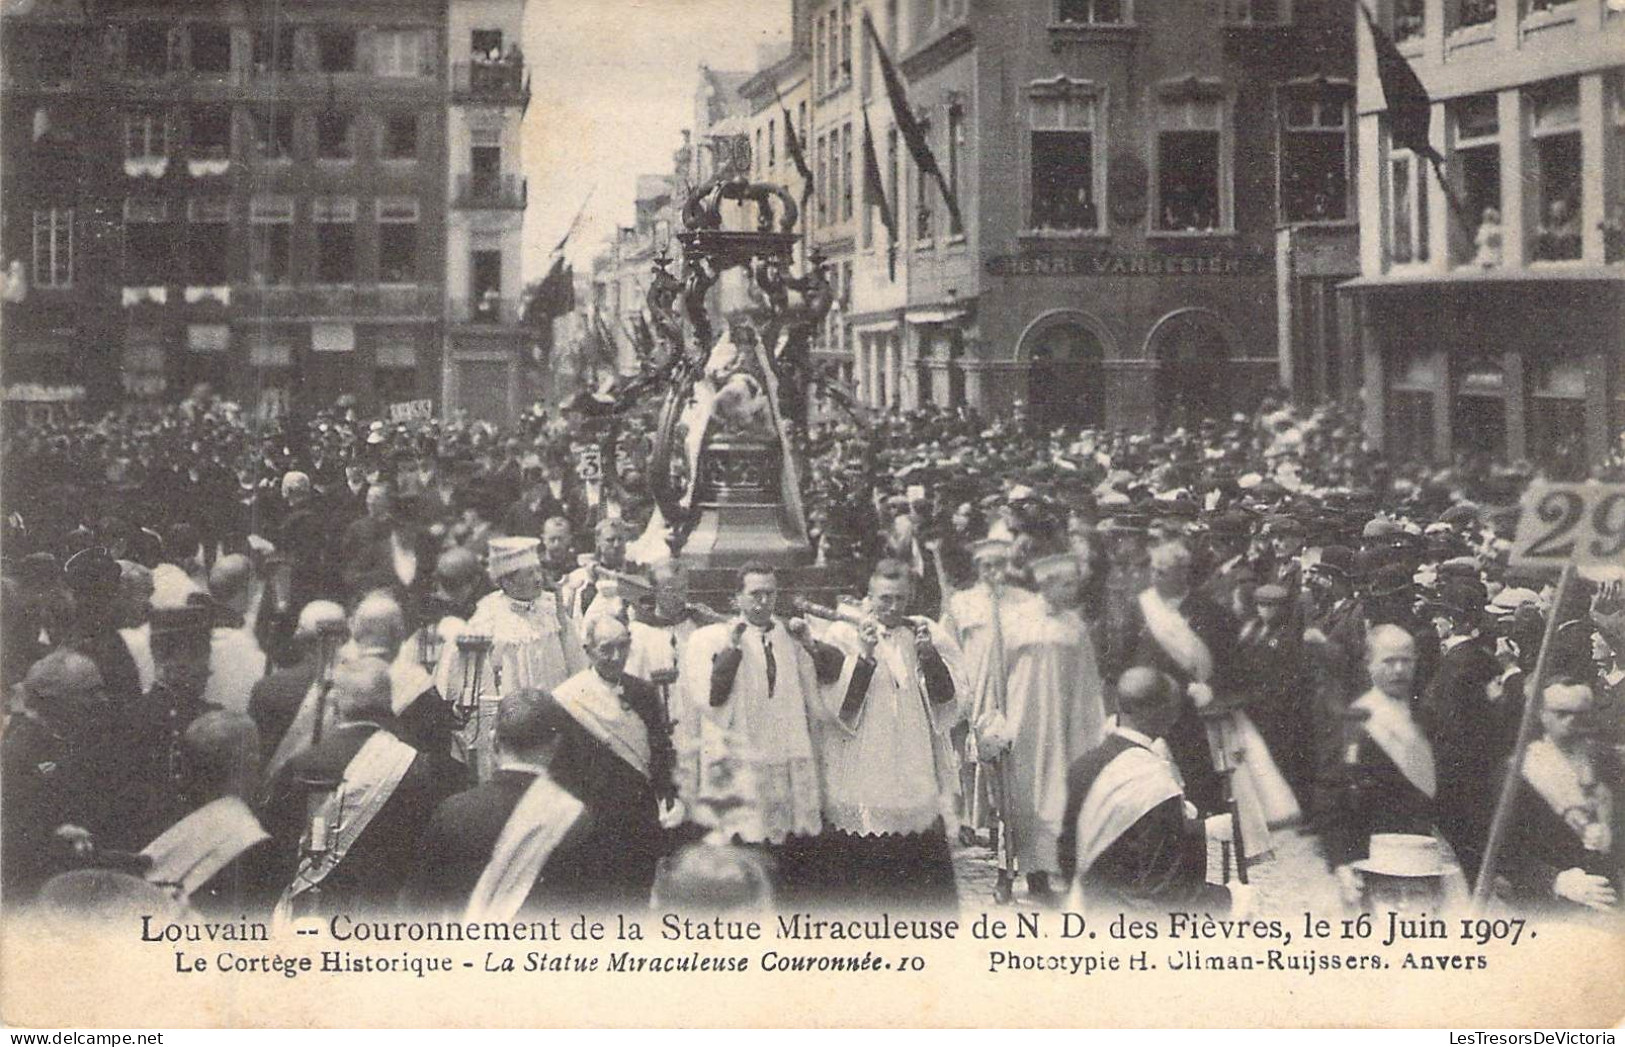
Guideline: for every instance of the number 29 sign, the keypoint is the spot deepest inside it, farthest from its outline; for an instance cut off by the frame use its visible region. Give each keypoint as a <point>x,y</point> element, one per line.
<point>1582,524</point>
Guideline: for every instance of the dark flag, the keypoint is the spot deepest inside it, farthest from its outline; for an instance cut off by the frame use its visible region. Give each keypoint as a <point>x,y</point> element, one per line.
<point>874,193</point>
<point>555,295</point>
<point>792,145</point>
<point>913,134</point>
<point>1410,110</point>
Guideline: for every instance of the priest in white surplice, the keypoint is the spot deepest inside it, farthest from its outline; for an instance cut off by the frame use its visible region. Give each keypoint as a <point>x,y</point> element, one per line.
<point>1054,713</point>
<point>532,646</point>
<point>889,767</point>
<point>750,695</point>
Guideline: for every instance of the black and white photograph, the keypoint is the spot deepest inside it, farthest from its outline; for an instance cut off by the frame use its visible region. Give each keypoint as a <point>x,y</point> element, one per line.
<point>1012,510</point>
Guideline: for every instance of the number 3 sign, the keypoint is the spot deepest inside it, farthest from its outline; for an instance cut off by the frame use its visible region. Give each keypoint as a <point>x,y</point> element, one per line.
<point>1581,524</point>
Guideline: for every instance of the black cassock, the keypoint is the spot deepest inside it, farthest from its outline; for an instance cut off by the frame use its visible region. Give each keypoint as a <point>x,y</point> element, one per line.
<point>1158,864</point>
<point>457,846</point>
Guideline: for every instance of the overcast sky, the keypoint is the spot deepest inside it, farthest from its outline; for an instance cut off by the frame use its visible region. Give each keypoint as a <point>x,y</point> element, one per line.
<point>613,84</point>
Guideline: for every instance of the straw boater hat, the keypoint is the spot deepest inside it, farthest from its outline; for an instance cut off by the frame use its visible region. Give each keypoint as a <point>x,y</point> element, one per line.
<point>1403,855</point>
<point>1051,567</point>
<point>509,555</point>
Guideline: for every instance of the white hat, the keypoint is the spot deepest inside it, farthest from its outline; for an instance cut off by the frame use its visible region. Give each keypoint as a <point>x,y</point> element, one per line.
<point>1402,854</point>
<point>507,555</point>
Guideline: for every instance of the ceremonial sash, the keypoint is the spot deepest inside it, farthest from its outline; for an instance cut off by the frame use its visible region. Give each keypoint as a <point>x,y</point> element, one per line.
<point>593,704</point>
<point>192,851</point>
<point>1126,790</point>
<point>300,732</point>
<point>1556,779</point>
<point>538,822</point>
<point>369,781</point>
<point>1389,724</point>
<point>1175,636</point>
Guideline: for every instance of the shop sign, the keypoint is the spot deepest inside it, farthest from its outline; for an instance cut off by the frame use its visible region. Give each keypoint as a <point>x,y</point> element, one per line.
<point>1129,263</point>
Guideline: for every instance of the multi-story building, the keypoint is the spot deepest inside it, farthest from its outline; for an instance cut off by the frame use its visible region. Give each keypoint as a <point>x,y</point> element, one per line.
<point>1492,319</point>
<point>1122,168</point>
<point>246,195</point>
<point>488,364</point>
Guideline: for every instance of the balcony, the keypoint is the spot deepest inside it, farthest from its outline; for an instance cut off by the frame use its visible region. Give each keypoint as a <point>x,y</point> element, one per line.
<point>413,300</point>
<point>507,192</point>
<point>486,312</point>
<point>498,83</point>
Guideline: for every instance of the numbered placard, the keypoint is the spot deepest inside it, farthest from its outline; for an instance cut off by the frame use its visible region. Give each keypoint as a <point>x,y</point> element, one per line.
<point>589,462</point>
<point>1581,524</point>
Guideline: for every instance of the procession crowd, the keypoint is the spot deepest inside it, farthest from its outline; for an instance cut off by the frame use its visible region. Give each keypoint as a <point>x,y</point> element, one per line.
<point>367,667</point>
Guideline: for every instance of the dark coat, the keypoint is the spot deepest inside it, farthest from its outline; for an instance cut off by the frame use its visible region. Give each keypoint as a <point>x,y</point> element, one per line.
<point>1372,797</point>
<point>1464,726</point>
<point>1540,844</point>
<point>48,781</point>
<point>372,873</point>
<point>275,701</point>
<point>369,561</point>
<point>457,845</point>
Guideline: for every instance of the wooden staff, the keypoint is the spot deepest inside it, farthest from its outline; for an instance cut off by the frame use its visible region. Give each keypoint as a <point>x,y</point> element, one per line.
<point>1526,731</point>
<point>1005,829</point>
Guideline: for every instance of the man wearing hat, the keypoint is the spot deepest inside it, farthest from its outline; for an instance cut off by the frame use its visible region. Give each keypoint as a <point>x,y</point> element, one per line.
<point>1129,843</point>
<point>533,645</point>
<point>1054,712</point>
<point>93,580</point>
<point>1464,720</point>
<point>277,701</point>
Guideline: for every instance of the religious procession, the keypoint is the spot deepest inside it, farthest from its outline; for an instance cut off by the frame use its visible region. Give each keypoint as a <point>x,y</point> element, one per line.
<point>754,616</point>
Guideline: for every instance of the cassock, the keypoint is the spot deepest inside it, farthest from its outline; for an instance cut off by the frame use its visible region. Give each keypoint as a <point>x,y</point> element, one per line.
<point>969,620</point>
<point>522,840</point>
<point>657,650</point>
<point>218,859</point>
<point>1130,843</point>
<point>1567,814</point>
<point>746,732</point>
<point>532,646</point>
<point>359,845</point>
<point>889,766</point>
<point>620,764</point>
<point>1055,712</point>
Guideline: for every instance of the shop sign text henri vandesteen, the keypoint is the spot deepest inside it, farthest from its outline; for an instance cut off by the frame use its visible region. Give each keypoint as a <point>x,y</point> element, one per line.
<point>1128,263</point>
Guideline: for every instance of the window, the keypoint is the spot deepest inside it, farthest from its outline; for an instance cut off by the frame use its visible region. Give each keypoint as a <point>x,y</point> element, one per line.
<point>270,240</point>
<point>1410,19</point>
<point>400,137</point>
<point>146,136</point>
<point>398,52</point>
<point>1613,227</point>
<point>1314,156</point>
<point>208,242</point>
<point>846,173</point>
<point>146,49</point>
<point>846,41</point>
<point>332,338</point>
<point>1256,12</point>
<point>818,56</point>
<point>1474,12</point>
<point>757,155</point>
<point>1542,6</point>
<point>147,243</point>
<point>485,45</point>
<point>1478,169</point>
<point>274,50</point>
<point>336,49</point>
<point>397,240</point>
<point>1408,209</point>
<point>273,132</point>
<point>892,161</point>
<point>485,284</point>
<point>210,135</point>
<point>485,166</point>
<point>334,221</point>
<point>772,142</point>
<point>924,205</point>
<point>956,155</point>
<point>832,54</point>
<point>1063,163</point>
<point>211,48</point>
<point>1555,127</point>
<point>335,136</point>
<point>53,247</point>
<point>1190,166</point>
<point>821,176</point>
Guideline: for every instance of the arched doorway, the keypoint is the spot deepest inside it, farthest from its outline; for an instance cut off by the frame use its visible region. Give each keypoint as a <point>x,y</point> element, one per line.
<point>1065,376</point>
<point>1191,350</point>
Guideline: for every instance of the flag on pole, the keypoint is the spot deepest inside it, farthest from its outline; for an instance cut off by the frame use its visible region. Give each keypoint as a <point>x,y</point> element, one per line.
<point>874,194</point>
<point>576,220</point>
<point>792,145</point>
<point>556,294</point>
<point>1410,110</point>
<point>909,127</point>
